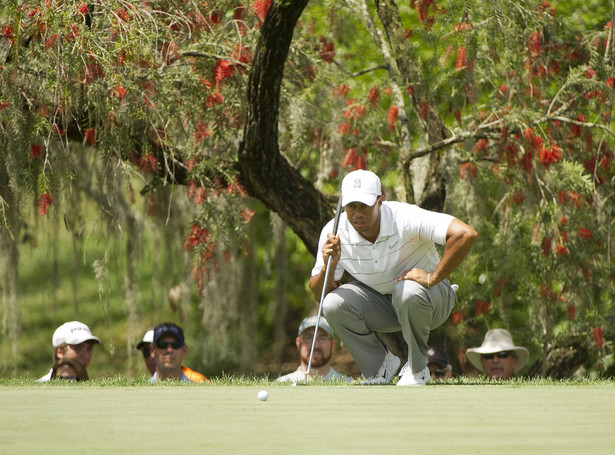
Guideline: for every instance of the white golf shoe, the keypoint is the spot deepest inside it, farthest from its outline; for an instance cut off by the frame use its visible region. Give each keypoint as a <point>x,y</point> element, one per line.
<point>407,378</point>
<point>387,370</point>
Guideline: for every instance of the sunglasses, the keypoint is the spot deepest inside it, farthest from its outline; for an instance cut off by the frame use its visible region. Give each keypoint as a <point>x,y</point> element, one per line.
<point>439,372</point>
<point>499,355</point>
<point>146,352</point>
<point>166,344</point>
<point>68,378</point>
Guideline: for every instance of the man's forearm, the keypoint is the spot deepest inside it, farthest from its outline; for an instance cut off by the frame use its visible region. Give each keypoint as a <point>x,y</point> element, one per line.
<point>317,281</point>
<point>460,239</point>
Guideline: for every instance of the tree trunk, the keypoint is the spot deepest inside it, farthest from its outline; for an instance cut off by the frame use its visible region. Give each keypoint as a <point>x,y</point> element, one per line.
<point>9,270</point>
<point>263,171</point>
<point>281,309</point>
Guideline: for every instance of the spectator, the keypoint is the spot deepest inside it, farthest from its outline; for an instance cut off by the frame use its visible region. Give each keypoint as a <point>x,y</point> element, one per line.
<point>146,346</point>
<point>321,358</point>
<point>69,370</point>
<point>498,357</point>
<point>169,352</point>
<point>389,248</point>
<point>73,341</point>
<point>437,361</point>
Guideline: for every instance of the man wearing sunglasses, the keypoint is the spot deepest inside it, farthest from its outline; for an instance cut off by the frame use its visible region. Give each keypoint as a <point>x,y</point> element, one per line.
<point>498,357</point>
<point>437,361</point>
<point>169,352</point>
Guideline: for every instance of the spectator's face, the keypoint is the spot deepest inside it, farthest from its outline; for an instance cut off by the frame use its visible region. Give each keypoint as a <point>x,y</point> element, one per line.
<point>168,357</point>
<point>81,352</point>
<point>499,365</point>
<point>148,356</point>
<point>365,218</point>
<point>438,372</point>
<point>322,349</point>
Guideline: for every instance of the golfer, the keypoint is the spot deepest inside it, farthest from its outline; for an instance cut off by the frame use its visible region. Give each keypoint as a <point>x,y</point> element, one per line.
<point>400,281</point>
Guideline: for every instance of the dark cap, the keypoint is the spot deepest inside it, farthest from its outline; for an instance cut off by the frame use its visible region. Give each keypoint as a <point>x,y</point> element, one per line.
<point>168,328</point>
<point>437,355</point>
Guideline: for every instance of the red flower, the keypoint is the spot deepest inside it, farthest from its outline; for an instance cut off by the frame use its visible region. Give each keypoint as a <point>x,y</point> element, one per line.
<point>598,338</point>
<point>545,246</point>
<point>201,132</point>
<point>373,96</point>
<point>424,110</point>
<point>481,307</point>
<point>461,58</point>
<point>7,31</point>
<point>349,156</point>
<point>344,128</point>
<point>35,151</point>
<point>589,73</point>
<point>576,199</point>
<point>82,9</point>
<point>223,70</point>
<point>44,202</point>
<point>458,317</point>
<point>560,249</point>
<point>518,197</point>
<point>327,52</point>
<point>393,112</point>
<point>341,90</point>
<point>89,135</point>
<point>260,8</point>
<point>467,170</point>
<point>547,156</point>
<point>246,214</point>
<point>533,43</point>
<point>585,233</point>
<point>3,105</point>
<point>463,26</point>
<point>214,99</point>
<point>51,41</point>
<point>197,236</point>
<point>148,163</point>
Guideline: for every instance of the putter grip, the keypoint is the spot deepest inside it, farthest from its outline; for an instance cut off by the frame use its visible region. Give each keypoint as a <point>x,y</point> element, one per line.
<point>338,212</point>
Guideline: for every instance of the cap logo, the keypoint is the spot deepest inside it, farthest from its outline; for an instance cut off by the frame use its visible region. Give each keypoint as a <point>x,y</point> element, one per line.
<point>357,183</point>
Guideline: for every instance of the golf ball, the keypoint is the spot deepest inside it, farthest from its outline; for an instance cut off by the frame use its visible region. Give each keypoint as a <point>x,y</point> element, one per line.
<point>263,395</point>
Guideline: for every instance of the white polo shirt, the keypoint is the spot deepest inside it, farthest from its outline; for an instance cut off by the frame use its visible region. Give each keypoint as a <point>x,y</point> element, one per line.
<point>407,239</point>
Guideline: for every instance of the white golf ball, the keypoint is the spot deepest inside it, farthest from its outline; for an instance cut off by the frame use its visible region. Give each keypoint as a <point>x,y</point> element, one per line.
<point>263,395</point>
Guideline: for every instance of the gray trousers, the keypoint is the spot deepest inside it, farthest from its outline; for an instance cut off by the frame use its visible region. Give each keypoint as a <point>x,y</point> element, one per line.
<point>355,311</point>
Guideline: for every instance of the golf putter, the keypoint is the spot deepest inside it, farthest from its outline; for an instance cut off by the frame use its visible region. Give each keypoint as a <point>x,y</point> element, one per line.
<point>324,288</point>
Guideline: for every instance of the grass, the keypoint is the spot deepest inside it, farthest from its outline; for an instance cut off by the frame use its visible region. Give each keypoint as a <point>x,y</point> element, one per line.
<point>121,415</point>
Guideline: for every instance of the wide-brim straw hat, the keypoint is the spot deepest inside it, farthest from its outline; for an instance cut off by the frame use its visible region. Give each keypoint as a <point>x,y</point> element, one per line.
<point>497,340</point>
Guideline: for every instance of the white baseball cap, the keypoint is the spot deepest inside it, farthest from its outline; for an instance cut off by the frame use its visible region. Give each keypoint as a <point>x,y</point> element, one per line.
<point>361,186</point>
<point>73,332</point>
<point>147,338</point>
<point>310,321</point>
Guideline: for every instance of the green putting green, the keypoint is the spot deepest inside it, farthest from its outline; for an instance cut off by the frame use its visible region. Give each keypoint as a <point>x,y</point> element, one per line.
<point>229,419</point>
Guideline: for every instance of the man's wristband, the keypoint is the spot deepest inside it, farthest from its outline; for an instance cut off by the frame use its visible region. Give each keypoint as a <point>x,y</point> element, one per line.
<point>428,280</point>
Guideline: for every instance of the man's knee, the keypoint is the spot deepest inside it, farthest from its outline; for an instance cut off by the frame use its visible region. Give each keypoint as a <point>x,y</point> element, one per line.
<point>409,295</point>
<point>331,305</point>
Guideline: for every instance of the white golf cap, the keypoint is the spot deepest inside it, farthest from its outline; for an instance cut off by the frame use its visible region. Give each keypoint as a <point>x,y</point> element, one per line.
<point>310,321</point>
<point>147,338</point>
<point>361,186</point>
<point>73,332</point>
